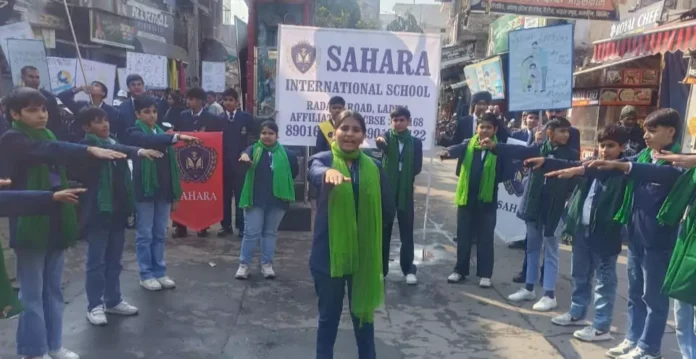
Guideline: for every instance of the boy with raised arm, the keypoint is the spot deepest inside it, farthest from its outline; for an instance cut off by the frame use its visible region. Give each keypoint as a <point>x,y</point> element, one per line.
<point>541,208</point>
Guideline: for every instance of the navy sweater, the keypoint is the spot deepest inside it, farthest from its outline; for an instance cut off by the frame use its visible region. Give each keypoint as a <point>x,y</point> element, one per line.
<point>187,122</point>
<point>117,127</point>
<point>318,165</point>
<point>161,142</point>
<point>236,130</point>
<point>26,203</point>
<point>20,153</point>
<point>263,180</point>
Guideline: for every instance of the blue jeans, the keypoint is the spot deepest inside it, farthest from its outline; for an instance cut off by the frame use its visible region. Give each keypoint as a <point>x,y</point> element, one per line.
<point>685,317</point>
<point>39,274</point>
<point>260,223</point>
<point>331,292</point>
<point>150,233</point>
<point>586,264</point>
<point>535,239</point>
<point>104,251</point>
<point>648,308</point>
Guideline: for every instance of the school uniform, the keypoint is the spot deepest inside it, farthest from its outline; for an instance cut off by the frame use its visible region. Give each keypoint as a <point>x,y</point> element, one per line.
<point>127,116</point>
<point>105,232</point>
<point>331,290</point>
<point>25,203</point>
<point>191,122</point>
<point>541,211</point>
<point>116,126</point>
<point>322,144</point>
<point>266,212</point>
<point>55,121</point>
<point>405,211</point>
<point>39,261</point>
<point>477,219</point>
<point>152,210</point>
<point>236,127</point>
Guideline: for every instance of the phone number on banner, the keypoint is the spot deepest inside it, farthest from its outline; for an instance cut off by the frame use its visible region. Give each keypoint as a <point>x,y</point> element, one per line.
<point>295,130</point>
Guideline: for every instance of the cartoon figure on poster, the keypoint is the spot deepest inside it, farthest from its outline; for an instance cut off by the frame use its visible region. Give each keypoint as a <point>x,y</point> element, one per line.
<point>534,67</point>
<point>492,79</point>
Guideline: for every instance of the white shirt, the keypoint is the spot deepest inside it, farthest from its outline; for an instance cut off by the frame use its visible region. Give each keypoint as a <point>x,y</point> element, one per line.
<point>197,114</point>
<point>587,206</point>
<point>475,123</point>
<point>401,149</point>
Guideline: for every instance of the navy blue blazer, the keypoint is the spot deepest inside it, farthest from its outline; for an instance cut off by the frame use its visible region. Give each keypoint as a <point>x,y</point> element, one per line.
<point>318,165</point>
<point>26,203</point>
<point>187,122</point>
<point>20,153</point>
<point>117,127</point>
<point>55,121</point>
<point>236,133</point>
<point>573,140</point>
<point>321,144</point>
<point>417,155</point>
<point>263,178</point>
<point>161,142</point>
<point>523,135</point>
<point>126,112</point>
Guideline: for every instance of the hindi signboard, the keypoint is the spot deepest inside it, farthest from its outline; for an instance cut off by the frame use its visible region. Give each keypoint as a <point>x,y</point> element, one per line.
<point>569,9</point>
<point>98,71</point>
<point>23,53</point>
<point>62,72</point>
<point>392,69</point>
<point>457,54</point>
<point>541,72</point>
<point>213,76</point>
<point>153,69</point>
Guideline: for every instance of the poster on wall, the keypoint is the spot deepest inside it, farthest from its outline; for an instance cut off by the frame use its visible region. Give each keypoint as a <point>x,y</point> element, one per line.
<point>315,64</point>
<point>153,69</point>
<point>486,75</point>
<point>97,71</point>
<point>62,72</point>
<point>213,76</point>
<point>541,74</point>
<point>22,53</point>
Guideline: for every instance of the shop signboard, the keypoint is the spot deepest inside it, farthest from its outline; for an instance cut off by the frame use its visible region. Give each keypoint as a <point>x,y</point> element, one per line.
<point>499,29</point>
<point>586,97</point>
<point>626,96</point>
<point>457,54</point>
<point>642,19</point>
<point>486,75</point>
<point>541,72</point>
<point>151,22</point>
<point>113,30</point>
<point>569,9</point>
<point>632,77</point>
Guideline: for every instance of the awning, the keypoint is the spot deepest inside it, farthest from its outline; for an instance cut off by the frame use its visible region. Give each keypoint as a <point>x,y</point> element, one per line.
<point>610,64</point>
<point>670,37</point>
<point>154,47</point>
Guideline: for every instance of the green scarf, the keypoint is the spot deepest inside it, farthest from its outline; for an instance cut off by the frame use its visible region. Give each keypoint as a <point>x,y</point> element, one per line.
<point>105,194</point>
<point>283,183</point>
<point>33,231</point>
<point>352,252</point>
<point>150,182</point>
<point>401,181</point>
<point>624,214</point>
<point>487,185</point>
<point>608,202</point>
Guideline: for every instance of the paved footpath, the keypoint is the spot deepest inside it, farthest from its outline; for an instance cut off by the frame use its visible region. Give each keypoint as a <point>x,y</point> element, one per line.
<point>212,315</point>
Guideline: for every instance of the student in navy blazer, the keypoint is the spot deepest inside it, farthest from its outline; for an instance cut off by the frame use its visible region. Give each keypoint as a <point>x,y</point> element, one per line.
<point>336,105</point>
<point>126,110</point>
<point>401,119</point>
<point>330,290</point>
<point>237,128</point>
<point>195,118</point>
<point>33,203</point>
<point>98,91</point>
<point>531,121</point>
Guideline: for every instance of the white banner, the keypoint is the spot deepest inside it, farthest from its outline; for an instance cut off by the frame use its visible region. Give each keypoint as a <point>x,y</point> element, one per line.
<point>122,74</point>
<point>508,227</point>
<point>541,71</point>
<point>62,72</point>
<point>22,53</point>
<point>153,69</point>
<point>213,76</point>
<point>17,30</point>
<point>374,71</point>
<point>97,71</point>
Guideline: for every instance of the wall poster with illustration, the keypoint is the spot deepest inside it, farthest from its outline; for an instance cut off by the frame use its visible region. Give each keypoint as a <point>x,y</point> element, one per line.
<point>266,63</point>
<point>486,75</point>
<point>541,72</point>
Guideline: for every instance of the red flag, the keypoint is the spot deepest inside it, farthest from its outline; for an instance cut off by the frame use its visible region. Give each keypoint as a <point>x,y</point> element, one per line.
<point>200,169</point>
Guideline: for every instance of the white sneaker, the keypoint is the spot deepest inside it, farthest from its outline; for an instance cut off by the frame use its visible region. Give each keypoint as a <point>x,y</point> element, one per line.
<point>454,277</point>
<point>123,308</point>
<point>545,304</point>
<point>267,271</point>
<point>485,283</point>
<point>242,272</point>
<point>166,282</point>
<point>411,279</point>
<point>638,353</point>
<point>624,348</point>
<point>521,295</point>
<point>590,334</point>
<point>151,284</point>
<point>566,319</point>
<point>96,316</point>
<point>63,353</point>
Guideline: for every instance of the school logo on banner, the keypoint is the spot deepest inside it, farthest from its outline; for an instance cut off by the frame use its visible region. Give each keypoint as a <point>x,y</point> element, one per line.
<point>515,187</point>
<point>196,162</point>
<point>303,55</point>
<point>200,170</point>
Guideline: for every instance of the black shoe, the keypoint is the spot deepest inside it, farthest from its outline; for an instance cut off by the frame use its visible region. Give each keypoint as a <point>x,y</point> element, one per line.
<point>516,245</point>
<point>203,233</point>
<point>224,231</point>
<point>240,232</point>
<point>519,278</point>
<point>180,232</point>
